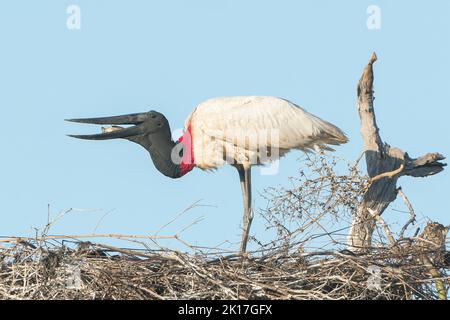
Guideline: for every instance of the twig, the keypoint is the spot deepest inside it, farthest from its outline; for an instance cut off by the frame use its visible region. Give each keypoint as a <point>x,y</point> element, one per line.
<point>412,214</point>
<point>82,236</point>
<point>389,174</point>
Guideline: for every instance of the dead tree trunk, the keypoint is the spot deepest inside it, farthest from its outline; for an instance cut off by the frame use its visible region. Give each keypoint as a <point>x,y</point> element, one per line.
<point>384,166</point>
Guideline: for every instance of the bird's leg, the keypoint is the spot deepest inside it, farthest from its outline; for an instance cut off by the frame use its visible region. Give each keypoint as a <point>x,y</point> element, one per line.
<point>245,179</point>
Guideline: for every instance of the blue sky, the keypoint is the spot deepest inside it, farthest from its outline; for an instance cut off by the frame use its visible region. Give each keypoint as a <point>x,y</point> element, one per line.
<point>132,56</point>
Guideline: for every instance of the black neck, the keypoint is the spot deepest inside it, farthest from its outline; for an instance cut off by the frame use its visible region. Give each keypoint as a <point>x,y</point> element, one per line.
<point>160,146</point>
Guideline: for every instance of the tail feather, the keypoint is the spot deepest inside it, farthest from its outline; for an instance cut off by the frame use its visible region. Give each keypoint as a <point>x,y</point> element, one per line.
<point>330,134</point>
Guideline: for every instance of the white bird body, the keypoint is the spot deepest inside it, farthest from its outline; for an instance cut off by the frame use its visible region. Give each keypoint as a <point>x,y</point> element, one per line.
<point>220,129</point>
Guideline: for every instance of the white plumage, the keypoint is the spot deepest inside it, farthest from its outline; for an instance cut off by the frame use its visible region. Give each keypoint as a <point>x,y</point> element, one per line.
<point>218,125</point>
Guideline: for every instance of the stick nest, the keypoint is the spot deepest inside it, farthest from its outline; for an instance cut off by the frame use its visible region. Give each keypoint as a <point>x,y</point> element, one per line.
<point>36,272</point>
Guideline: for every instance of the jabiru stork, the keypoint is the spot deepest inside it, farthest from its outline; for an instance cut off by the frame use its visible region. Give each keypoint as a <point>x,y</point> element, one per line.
<point>220,131</point>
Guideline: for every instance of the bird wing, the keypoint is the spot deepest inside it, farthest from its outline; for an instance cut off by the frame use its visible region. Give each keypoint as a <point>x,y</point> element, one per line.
<point>231,118</point>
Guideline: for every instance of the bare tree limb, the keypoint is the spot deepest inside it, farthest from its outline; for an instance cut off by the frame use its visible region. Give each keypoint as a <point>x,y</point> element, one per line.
<point>384,166</point>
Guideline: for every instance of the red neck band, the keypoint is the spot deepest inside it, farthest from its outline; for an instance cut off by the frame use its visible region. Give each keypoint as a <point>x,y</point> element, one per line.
<point>187,161</point>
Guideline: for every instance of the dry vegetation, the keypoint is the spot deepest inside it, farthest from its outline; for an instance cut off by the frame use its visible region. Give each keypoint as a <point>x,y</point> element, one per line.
<point>305,260</point>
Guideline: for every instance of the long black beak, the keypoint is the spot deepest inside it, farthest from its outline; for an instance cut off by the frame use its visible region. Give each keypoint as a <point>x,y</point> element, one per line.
<point>136,119</point>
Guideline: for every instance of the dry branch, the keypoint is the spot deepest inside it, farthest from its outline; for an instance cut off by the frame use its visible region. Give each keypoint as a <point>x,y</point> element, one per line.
<point>384,166</point>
